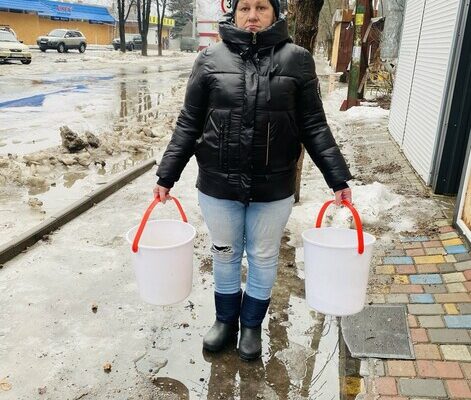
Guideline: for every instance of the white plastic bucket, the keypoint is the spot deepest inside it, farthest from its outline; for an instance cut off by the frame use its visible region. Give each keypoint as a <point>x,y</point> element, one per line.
<point>162,257</point>
<point>337,264</point>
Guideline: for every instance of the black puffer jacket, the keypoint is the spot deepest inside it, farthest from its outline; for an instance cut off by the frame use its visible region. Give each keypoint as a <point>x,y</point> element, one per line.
<point>251,101</point>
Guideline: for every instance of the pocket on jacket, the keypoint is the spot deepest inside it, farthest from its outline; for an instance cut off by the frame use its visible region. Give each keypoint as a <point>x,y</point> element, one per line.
<point>211,152</point>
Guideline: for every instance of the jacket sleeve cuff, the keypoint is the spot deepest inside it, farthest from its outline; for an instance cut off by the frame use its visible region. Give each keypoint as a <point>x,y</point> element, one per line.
<point>165,183</point>
<point>340,186</point>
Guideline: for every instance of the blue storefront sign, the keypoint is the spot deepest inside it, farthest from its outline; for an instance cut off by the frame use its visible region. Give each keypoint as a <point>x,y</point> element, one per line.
<point>59,11</point>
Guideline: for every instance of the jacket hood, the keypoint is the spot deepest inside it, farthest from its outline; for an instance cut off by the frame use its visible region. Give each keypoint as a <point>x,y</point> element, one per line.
<point>272,36</point>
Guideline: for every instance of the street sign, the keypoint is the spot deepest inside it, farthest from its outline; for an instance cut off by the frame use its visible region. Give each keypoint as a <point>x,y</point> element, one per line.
<point>226,5</point>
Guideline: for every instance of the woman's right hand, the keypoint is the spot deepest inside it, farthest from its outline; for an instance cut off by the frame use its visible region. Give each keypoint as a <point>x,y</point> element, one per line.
<point>162,193</point>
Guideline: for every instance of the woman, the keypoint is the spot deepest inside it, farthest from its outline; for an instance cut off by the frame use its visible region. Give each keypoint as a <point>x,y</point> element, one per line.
<point>251,101</point>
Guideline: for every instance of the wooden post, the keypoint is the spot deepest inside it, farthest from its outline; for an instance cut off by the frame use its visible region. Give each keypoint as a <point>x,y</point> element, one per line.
<point>362,18</point>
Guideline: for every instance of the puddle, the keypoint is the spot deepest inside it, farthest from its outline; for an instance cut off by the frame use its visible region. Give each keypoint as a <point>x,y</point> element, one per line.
<point>38,100</point>
<point>136,100</point>
<point>302,350</point>
<point>92,101</point>
<point>174,387</point>
<point>17,216</point>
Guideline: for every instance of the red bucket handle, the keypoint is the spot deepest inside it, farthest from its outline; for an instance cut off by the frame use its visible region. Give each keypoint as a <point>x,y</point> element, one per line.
<point>356,217</point>
<point>135,244</point>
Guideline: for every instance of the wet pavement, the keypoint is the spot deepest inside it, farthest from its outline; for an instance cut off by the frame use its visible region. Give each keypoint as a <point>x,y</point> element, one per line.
<point>72,306</point>
<point>54,337</point>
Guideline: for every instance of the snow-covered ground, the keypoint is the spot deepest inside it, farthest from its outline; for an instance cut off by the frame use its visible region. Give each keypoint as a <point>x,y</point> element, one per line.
<point>130,102</point>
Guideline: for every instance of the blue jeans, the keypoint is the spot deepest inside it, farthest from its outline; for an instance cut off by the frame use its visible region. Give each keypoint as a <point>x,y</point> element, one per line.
<point>257,228</point>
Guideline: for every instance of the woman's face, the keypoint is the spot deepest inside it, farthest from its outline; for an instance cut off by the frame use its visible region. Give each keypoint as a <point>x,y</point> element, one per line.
<point>254,15</point>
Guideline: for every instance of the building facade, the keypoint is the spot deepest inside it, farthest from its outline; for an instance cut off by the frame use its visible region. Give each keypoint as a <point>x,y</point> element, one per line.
<point>152,36</point>
<point>33,18</point>
<point>430,117</point>
<point>208,33</point>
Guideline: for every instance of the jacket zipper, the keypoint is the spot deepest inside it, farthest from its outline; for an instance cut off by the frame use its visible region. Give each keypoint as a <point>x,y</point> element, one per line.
<point>268,145</point>
<point>220,133</point>
<point>254,38</point>
<point>221,145</point>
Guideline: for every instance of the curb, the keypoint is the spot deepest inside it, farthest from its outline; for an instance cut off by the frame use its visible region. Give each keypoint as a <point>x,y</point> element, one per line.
<point>16,246</point>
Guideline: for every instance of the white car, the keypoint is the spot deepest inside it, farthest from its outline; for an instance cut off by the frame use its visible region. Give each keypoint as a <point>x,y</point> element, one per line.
<point>63,40</point>
<point>12,49</point>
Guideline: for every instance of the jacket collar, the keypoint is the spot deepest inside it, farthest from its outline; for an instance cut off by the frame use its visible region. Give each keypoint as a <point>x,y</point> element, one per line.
<point>272,36</point>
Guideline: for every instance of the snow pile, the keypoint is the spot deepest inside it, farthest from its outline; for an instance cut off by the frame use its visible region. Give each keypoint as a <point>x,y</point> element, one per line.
<point>380,209</point>
<point>376,201</point>
<point>366,113</point>
<point>84,150</point>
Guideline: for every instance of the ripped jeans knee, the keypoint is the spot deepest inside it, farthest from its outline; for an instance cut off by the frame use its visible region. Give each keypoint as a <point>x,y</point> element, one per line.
<point>223,253</point>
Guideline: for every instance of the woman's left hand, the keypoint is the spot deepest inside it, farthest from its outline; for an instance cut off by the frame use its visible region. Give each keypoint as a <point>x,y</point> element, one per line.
<point>344,194</point>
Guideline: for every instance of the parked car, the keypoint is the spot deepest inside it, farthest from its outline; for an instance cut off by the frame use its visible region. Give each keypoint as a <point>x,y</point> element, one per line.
<point>189,44</point>
<point>12,49</point>
<point>133,42</point>
<point>63,40</point>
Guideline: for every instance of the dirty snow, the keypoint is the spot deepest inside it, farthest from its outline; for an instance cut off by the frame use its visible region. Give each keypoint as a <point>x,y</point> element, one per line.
<point>131,116</point>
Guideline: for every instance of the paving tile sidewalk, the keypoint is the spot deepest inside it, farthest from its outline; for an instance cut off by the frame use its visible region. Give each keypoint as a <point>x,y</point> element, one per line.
<point>432,276</point>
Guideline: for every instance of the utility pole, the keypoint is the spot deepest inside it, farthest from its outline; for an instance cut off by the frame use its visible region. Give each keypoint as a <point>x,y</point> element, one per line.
<point>193,32</point>
<point>362,20</point>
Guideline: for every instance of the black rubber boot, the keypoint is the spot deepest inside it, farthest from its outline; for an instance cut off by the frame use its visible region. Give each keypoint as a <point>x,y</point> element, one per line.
<point>250,343</point>
<point>225,328</point>
<point>252,313</point>
<point>220,335</point>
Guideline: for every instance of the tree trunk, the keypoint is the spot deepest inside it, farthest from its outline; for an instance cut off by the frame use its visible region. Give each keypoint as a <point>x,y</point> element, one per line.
<point>306,21</point>
<point>160,22</point>
<point>143,17</point>
<point>159,29</point>
<point>122,26</point>
<point>306,16</point>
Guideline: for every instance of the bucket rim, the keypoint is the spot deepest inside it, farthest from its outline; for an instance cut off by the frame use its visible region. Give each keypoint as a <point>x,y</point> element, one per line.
<point>366,235</point>
<point>130,241</point>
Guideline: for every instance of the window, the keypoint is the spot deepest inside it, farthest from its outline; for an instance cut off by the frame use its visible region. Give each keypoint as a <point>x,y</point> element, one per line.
<point>7,37</point>
<point>57,33</point>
